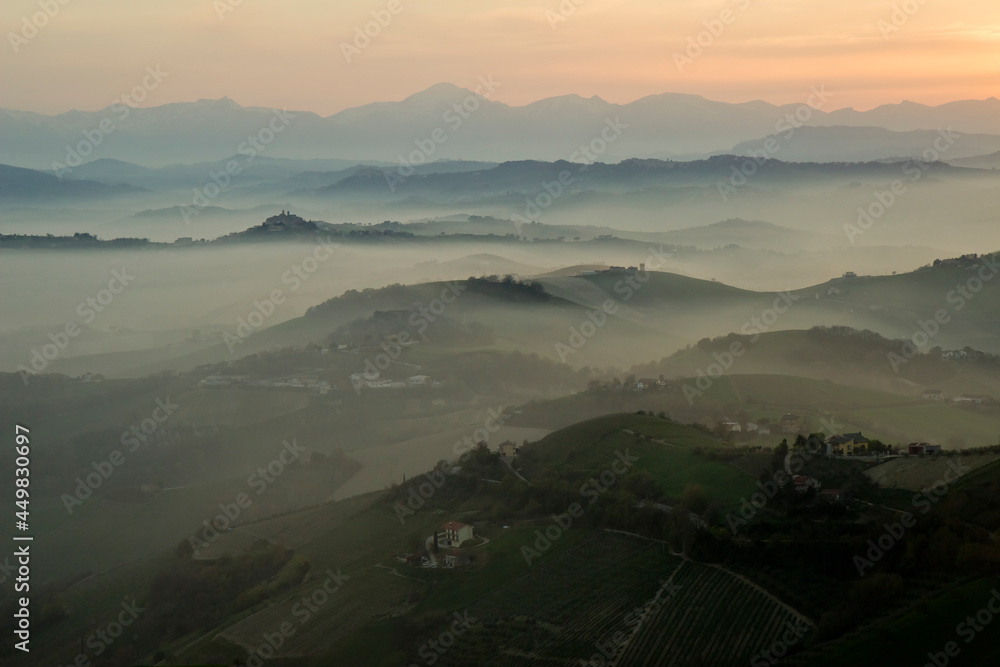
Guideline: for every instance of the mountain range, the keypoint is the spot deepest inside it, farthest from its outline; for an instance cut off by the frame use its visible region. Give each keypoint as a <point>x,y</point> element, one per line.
<point>469,127</point>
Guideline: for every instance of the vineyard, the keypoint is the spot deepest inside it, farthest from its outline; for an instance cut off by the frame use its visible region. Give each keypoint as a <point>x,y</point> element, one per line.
<point>714,619</point>
<point>585,596</point>
<point>620,599</point>
<point>320,620</point>
<point>290,530</point>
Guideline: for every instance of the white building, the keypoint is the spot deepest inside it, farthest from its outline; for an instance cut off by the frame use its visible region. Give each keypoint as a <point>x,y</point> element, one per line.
<point>455,533</point>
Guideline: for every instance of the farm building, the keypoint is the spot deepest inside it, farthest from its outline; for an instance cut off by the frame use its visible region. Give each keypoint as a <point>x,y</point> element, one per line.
<point>791,423</point>
<point>507,449</point>
<point>847,443</point>
<point>832,495</point>
<point>455,533</point>
<point>413,560</point>
<point>457,560</point>
<point>969,400</point>
<point>921,448</point>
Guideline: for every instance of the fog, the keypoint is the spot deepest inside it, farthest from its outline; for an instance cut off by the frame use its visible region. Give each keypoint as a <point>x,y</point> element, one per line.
<point>770,256</point>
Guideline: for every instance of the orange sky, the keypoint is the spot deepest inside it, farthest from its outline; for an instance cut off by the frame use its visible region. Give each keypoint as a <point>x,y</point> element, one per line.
<point>289,53</point>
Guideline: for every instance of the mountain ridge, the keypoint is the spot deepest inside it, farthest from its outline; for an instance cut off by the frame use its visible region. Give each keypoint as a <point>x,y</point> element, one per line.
<point>664,124</point>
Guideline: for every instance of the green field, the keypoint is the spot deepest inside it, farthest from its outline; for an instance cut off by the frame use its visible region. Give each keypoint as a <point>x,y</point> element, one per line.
<point>593,446</point>
<point>893,418</point>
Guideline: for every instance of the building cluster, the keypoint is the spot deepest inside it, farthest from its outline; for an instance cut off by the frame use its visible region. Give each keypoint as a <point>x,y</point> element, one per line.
<point>448,540</point>
<point>805,484</point>
<point>840,444</point>
<point>748,427</point>
<point>507,449</point>
<point>359,380</point>
<point>921,448</point>
<point>846,444</point>
<point>630,385</point>
<point>616,271</point>
<point>306,382</point>
<point>964,399</point>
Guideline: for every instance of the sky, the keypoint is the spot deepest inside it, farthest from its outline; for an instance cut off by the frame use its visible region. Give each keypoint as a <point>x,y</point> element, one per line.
<point>307,54</point>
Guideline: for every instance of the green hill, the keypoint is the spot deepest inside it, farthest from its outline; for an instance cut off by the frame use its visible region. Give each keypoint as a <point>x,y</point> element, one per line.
<point>824,406</point>
<point>623,576</point>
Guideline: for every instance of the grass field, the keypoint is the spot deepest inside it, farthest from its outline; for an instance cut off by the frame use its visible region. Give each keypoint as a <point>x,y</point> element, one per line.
<point>915,472</point>
<point>824,405</point>
<point>890,417</point>
<point>667,454</point>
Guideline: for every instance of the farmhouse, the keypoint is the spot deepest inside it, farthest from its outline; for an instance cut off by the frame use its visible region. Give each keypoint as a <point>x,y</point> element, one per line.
<point>921,448</point>
<point>455,533</point>
<point>974,400</point>
<point>932,395</point>
<point>507,449</point>
<point>850,444</point>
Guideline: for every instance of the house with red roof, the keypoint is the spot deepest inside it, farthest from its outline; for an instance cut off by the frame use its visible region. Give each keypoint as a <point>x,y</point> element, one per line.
<point>455,533</point>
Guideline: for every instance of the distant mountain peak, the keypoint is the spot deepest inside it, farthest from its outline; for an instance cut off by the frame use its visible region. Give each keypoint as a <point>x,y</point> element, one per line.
<point>439,92</point>
<point>223,102</point>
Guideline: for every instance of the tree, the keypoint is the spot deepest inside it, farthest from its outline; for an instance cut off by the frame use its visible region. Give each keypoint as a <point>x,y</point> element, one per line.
<point>778,457</point>
<point>693,497</point>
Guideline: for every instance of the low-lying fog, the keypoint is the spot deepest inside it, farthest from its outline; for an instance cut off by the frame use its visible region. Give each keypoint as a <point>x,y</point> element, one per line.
<point>157,297</point>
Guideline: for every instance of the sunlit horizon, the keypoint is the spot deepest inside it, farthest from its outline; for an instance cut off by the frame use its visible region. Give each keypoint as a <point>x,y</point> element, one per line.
<point>85,56</point>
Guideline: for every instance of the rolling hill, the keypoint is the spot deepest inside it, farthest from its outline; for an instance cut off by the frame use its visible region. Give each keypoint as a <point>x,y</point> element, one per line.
<point>864,144</point>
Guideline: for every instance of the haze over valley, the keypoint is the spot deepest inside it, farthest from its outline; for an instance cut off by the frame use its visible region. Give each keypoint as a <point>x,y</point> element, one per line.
<point>594,333</point>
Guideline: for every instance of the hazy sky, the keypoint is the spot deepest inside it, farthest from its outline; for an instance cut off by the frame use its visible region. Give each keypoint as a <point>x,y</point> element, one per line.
<point>288,53</point>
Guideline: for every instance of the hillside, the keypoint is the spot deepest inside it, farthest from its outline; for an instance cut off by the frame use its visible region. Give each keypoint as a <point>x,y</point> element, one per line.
<point>862,144</point>
<point>752,234</point>
<point>842,355</point>
<point>649,564</point>
<point>17,184</point>
<point>824,406</point>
